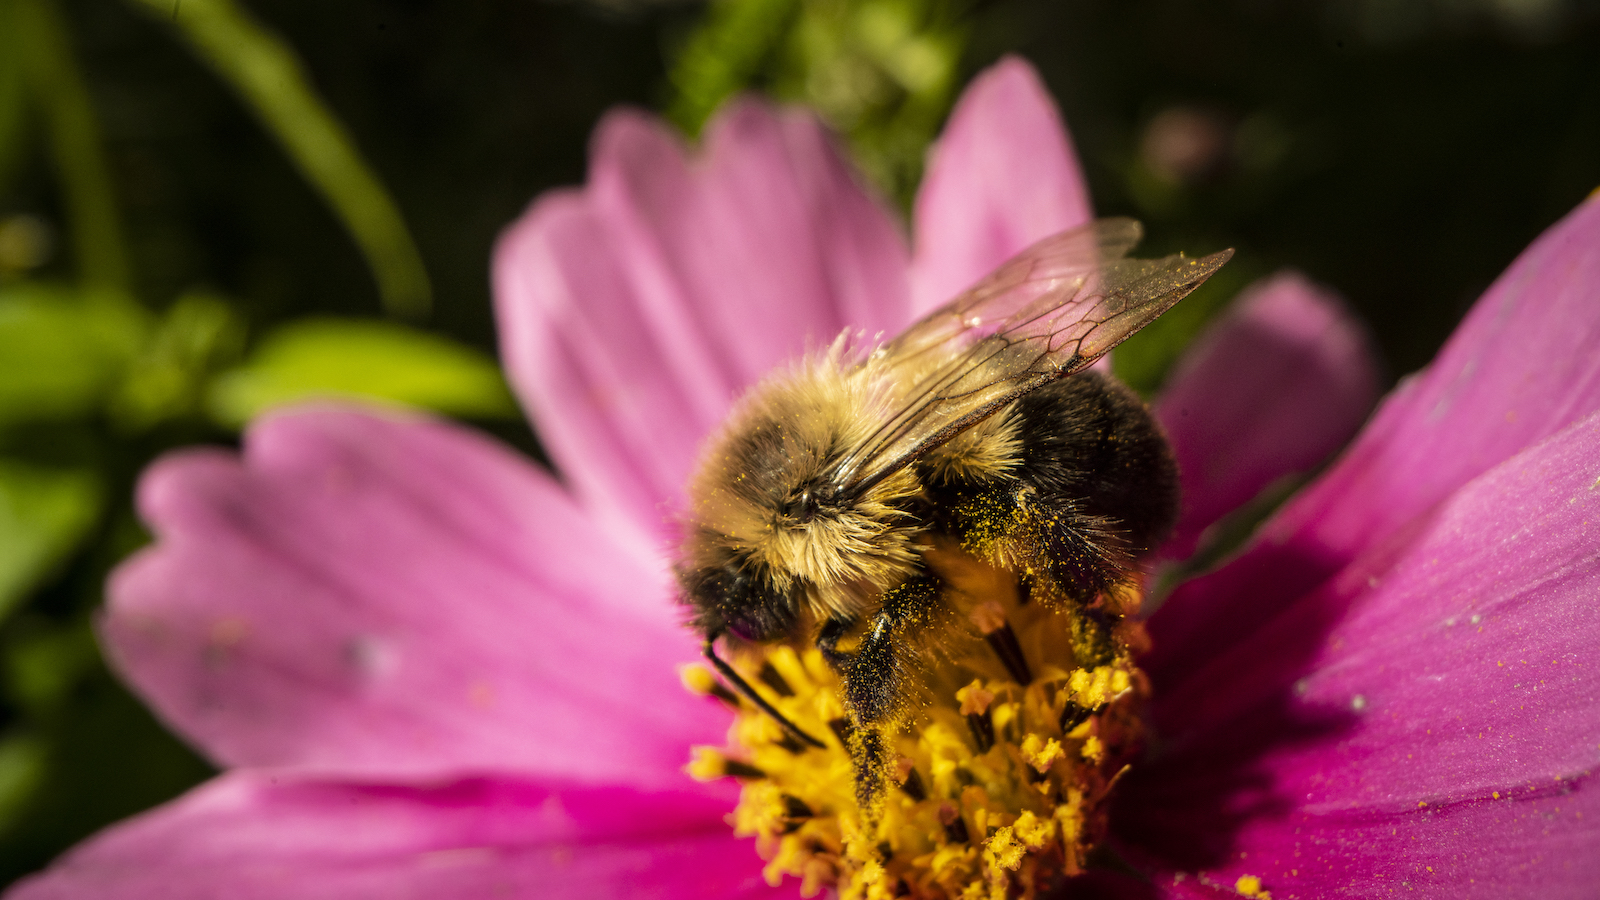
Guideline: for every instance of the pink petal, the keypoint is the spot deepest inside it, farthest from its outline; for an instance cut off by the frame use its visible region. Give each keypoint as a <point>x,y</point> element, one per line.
<point>1521,367</point>
<point>1277,384</point>
<point>633,312</point>
<point>1002,176</point>
<point>252,835</point>
<point>370,593</point>
<point>1426,719</point>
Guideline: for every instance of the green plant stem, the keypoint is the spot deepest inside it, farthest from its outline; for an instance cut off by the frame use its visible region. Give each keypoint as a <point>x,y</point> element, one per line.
<point>58,90</point>
<point>269,77</point>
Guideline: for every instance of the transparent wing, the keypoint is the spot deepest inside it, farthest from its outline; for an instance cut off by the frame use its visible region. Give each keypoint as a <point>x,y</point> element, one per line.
<point>1048,312</point>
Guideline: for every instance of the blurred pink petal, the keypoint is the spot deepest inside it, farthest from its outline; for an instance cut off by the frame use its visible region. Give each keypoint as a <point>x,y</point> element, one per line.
<point>369,593</point>
<point>1275,386</point>
<point>1432,706</point>
<point>253,835</point>
<point>1002,176</point>
<point>1521,367</point>
<point>634,311</point>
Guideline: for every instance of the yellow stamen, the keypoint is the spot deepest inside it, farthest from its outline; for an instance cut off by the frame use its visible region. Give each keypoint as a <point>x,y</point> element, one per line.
<point>993,789</point>
<point>706,764</point>
<point>698,679</point>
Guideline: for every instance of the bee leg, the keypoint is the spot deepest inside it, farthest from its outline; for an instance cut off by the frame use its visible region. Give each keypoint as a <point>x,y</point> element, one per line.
<point>872,683</point>
<point>863,736</point>
<point>872,670</point>
<point>871,676</point>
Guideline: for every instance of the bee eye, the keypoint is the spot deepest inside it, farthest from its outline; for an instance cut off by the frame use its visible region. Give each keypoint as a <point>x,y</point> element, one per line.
<point>747,630</point>
<point>750,607</point>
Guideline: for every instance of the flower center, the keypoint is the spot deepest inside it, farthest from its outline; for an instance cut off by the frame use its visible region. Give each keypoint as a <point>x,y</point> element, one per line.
<point>999,777</point>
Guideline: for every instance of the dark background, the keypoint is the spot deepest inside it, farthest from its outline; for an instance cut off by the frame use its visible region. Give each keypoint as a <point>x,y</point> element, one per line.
<point>1402,153</point>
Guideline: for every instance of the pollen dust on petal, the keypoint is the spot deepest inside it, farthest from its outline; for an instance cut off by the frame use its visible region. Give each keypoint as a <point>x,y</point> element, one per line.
<point>1250,886</point>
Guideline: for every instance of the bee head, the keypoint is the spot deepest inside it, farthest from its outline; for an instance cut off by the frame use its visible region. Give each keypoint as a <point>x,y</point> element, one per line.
<point>733,600</point>
<point>772,537</point>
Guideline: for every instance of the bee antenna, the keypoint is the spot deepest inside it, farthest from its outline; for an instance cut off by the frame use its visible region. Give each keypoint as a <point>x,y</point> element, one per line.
<point>749,693</point>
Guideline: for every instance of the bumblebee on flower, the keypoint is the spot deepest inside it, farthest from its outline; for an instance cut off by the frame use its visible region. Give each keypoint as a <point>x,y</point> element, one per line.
<point>514,724</point>
<point>897,513</point>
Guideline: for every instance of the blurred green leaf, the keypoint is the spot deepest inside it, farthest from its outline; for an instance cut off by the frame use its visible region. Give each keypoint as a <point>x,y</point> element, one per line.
<point>881,72</point>
<point>44,661</point>
<point>315,358</point>
<point>59,352</point>
<point>44,514</point>
<point>268,76</point>
<point>200,334</point>
<point>22,767</point>
<point>723,56</point>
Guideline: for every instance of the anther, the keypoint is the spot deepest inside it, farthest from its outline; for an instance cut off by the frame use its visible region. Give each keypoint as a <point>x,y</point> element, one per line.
<point>770,677</point>
<point>982,728</point>
<point>955,827</point>
<point>991,620</point>
<point>741,769</point>
<point>913,786</point>
<point>975,700</point>
<point>1073,715</point>
<point>795,808</point>
<point>1004,644</point>
<point>709,764</point>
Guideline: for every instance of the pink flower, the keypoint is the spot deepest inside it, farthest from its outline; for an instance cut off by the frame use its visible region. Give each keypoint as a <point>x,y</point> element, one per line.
<point>433,670</point>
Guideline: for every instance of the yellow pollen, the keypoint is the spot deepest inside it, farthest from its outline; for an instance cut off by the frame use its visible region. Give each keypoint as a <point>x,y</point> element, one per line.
<point>706,764</point>
<point>1041,753</point>
<point>698,679</point>
<point>1003,851</point>
<point>991,789</point>
<point>1250,886</point>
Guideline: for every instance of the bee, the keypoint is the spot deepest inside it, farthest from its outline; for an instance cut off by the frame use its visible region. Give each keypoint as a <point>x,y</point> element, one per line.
<point>836,504</point>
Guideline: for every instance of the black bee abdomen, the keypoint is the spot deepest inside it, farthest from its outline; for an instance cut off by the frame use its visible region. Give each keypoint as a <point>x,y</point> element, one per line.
<point>1089,442</point>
